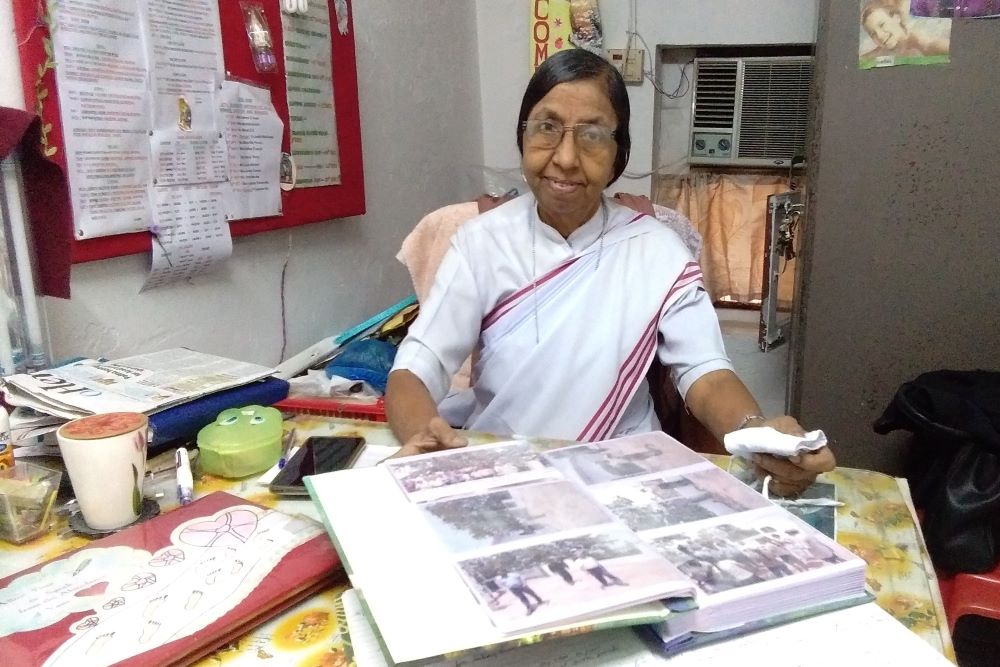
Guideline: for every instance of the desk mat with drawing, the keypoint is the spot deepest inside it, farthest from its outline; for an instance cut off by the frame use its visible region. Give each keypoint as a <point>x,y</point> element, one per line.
<point>167,591</point>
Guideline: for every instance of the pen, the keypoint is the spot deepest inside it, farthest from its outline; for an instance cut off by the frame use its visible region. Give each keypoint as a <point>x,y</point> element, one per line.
<point>185,483</point>
<point>286,448</point>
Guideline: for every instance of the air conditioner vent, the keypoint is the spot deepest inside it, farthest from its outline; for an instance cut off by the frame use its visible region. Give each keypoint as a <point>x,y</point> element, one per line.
<point>715,93</point>
<point>750,111</point>
<point>774,108</point>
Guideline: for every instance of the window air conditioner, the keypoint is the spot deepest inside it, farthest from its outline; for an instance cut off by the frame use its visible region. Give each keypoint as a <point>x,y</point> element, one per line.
<point>750,112</point>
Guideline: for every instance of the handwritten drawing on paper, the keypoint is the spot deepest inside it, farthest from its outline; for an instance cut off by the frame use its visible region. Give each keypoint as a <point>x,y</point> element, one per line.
<point>142,600</point>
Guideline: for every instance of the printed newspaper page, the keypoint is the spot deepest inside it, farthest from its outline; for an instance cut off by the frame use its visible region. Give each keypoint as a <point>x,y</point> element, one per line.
<point>143,383</point>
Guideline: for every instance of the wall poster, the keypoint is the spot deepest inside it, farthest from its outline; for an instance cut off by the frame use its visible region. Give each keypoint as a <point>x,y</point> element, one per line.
<point>556,25</point>
<point>890,35</point>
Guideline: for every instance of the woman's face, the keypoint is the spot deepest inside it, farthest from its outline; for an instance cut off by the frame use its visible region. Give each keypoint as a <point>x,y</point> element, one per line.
<point>566,181</point>
<point>886,29</point>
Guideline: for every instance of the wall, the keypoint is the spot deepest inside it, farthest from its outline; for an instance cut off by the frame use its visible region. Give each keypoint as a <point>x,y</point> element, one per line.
<point>421,129</point>
<point>503,59</point>
<point>901,242</point>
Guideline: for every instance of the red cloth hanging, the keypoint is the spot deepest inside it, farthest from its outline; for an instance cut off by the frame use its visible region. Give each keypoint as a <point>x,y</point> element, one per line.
<point>46,194</point>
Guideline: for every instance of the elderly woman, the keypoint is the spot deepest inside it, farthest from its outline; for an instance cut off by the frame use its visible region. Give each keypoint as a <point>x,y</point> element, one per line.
<point>566,296</point>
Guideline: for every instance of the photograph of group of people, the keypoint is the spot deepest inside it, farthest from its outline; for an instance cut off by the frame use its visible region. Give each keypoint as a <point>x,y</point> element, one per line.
<point>454,472</point>
<point>512,513</point>
<point>554,535</point>
<point>608,461</point>
<point>671,499</point>
<point>570,576</point>
<point>734,554</point>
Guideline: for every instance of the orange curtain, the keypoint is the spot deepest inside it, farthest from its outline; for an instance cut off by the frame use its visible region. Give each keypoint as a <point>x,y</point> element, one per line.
<point>730,212</point>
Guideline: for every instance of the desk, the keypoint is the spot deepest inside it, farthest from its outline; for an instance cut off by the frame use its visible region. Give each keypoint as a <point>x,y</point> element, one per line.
<point>876,522</point>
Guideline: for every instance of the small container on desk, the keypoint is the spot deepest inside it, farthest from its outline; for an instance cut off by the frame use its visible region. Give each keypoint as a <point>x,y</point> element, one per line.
<point>27,493</point>
<point>344,408</point>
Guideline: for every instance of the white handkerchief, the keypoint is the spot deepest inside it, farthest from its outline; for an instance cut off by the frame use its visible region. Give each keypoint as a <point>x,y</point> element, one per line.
<point>766,440</point>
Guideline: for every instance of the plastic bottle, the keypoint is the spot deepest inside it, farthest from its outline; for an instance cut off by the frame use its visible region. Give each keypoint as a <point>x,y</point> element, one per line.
<point>6,447</point>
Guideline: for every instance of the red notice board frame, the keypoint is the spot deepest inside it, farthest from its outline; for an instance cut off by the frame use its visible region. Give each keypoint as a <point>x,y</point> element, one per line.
<point>299,206</point>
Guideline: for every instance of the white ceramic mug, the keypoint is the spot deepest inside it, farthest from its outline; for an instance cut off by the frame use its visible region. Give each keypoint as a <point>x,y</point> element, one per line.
<point>105,456</point>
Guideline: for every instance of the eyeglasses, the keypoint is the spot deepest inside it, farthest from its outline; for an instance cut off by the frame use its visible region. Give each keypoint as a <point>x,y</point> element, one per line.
<point>547,134</point>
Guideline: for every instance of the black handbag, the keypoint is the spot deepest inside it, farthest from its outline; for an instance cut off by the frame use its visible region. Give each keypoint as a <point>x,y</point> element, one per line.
<point>954,463</point>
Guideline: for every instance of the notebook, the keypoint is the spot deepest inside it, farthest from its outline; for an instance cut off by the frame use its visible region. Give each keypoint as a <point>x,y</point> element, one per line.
<point>167,591</point>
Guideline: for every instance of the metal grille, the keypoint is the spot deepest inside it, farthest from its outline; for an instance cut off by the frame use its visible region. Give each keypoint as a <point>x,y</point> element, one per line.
<point>774,108</point>
<point>715,93</point>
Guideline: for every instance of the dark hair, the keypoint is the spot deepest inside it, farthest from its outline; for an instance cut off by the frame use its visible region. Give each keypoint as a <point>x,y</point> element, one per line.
<point>580,65</point>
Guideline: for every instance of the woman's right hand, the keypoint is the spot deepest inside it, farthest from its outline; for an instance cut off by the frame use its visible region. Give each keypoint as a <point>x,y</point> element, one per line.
<point>437,435</point>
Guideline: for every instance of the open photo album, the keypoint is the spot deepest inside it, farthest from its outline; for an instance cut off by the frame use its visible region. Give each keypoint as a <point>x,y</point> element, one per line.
<point>503,544</point>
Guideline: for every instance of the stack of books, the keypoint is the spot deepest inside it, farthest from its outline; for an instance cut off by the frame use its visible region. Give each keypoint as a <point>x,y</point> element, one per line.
<point>500,545</point>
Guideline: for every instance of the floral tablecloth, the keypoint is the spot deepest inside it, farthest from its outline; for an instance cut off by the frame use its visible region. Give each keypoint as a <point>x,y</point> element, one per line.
<point>876,522</point>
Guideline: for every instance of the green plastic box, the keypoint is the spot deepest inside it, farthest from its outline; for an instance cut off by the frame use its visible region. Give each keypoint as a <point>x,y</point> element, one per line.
<point>241,442</point>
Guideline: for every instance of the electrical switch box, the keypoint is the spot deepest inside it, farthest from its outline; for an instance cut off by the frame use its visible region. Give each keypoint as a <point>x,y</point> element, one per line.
<point>629,63</point>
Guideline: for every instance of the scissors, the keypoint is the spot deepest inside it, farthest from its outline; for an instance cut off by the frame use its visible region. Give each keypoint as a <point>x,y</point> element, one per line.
<point>296,6</point>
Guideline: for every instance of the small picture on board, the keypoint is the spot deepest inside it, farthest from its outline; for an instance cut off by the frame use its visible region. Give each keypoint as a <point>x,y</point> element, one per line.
<point>286,176</point>
<point>183,114</point>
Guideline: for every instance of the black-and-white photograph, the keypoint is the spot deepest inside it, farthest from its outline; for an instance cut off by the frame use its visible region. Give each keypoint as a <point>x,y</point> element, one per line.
<point>675,499</point>
<point>472,464</point>
<point>726,556</point>
<point>625,457</point>
<point>567,576</point>
<point>512,513</point>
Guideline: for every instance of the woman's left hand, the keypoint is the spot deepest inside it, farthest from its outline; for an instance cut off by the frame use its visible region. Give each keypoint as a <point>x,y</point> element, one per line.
<point>791,476</point>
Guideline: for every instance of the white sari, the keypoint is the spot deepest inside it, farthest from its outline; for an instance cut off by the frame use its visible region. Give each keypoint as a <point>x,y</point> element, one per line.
<point>563,355</point>
<point>600,310</point>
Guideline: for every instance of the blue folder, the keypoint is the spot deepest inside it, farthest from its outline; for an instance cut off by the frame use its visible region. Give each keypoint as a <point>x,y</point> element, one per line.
<point>185,420</point>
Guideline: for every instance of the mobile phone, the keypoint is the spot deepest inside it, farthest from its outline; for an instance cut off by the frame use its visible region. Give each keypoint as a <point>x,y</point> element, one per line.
<point>317,455</point>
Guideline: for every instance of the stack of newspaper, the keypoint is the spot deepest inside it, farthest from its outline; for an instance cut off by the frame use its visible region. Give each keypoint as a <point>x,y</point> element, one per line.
<point>146,383</point>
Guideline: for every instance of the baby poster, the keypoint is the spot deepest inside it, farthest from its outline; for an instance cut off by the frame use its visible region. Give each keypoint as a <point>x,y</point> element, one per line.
<point>891,34</point>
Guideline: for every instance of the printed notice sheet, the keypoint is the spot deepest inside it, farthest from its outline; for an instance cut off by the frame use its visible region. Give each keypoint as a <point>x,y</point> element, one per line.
<point>192,236</point>
<point>252,132</point>
<point>311,115</point>
<point>195,157</point>
<point>186,67</point>
<point>101,75</point>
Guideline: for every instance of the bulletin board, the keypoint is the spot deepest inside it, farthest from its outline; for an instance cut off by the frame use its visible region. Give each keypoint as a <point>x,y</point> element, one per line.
<point>299,206</point>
